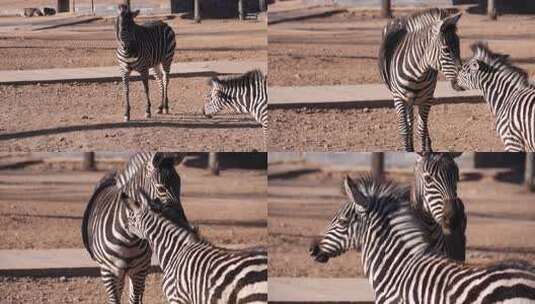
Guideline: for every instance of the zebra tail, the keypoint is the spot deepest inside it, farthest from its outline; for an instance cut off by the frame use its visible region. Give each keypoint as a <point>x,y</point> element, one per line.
<point>107,181</point>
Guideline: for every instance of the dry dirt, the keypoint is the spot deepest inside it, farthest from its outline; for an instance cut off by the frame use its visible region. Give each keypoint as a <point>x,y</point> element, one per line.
<point>342,49</point>
<point>500,218</point>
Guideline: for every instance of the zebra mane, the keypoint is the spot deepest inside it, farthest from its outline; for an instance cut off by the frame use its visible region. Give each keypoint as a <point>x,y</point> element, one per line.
<point>390,202</point>
<point>233,80</point>
<point>135,163</point>
<point>423,19</point>
<point>499,62</point>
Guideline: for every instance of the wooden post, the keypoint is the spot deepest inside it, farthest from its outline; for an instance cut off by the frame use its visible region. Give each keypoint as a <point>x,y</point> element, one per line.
<point>240,9</point>
<point>88,163</point>
<point>491,9</point>
<point>262,5</point>
<point>93,7</point>
<point>128,3</point>
<point>213,163</point>
<point>386,9</point>
<point>378,165</point>
<point>73,7</point>
<point>197,11</point>
<point>529,175</point>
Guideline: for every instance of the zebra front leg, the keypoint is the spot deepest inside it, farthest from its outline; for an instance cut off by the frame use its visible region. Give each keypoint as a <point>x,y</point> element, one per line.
<point>136,283</point>
<point>145,80</point>
<point>113,284</point>
<point>405,117</point>
<point>166,69</point>
<point>126,91</point>
<point>422,129</point>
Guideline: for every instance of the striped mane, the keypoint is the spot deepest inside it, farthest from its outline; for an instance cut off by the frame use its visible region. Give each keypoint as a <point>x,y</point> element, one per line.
<point>421,20</point>
<point>133,166</point>
<point>236,80</point>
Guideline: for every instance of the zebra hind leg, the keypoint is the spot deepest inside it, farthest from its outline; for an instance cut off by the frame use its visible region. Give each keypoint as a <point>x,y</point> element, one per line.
<point>145,80</point>
<point>423,131</point>
<point>405,117</point>
<point>113,284</point>
<point>136,283</point>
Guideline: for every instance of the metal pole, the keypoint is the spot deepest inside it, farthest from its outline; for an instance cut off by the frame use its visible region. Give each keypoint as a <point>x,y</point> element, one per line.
<point>240,9</point>
<point>386,9</point>
<point>197,11</point>
<point>529,175</point>
<point>378,165</point>
<point>491,9</point>
<point>88,163</point>
<point>213,162</point>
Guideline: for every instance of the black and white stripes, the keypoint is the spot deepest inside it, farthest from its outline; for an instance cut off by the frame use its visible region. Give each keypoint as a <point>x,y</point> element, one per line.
<point>508,92</point>
<point>141,48</point>
<point>246,93</point>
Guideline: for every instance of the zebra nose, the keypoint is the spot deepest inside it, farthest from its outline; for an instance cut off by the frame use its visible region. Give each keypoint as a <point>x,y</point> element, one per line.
<point>314,249</point>
<point>456,86</point>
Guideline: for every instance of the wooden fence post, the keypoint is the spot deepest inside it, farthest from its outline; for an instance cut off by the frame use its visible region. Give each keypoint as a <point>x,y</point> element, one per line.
<point>213,163</point>
<point>88,163</point>
<point>378,165</point>
<point>386,9</point>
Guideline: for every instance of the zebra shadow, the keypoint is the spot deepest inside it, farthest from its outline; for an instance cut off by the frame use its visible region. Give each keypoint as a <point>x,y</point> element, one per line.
<point>128,125</point>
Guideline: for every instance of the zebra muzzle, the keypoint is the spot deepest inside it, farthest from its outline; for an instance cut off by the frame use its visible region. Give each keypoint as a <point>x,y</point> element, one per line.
<point>317,254</point>
<point>206,115</point>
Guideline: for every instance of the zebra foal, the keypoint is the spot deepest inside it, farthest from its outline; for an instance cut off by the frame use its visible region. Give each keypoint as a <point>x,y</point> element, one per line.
<point>434,198</point>
<point>413,50</point>
<point>141,48</point>
<point>246,93</point>
<point>398,260</point>
<point>195,271</point>
<point>119,253</point>
<point>509,93</point>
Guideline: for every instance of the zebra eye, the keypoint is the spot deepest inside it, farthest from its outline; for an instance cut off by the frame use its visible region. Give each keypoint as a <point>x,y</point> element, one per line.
<point>428,178</point>
<point>161,189</point>
<point>474,66</point>
<point>343,221</point>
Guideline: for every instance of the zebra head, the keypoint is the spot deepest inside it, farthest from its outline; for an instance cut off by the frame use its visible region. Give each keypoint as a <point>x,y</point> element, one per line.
<point>146,214</point>
<point>481,67</point>
<point>345,231</point>
<point>446,46</point>
<point>214,99</point>
<point>124,22</point>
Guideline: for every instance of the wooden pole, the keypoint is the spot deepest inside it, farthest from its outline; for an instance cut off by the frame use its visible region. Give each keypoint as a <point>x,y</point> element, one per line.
<point>197,11</point>
<point>529,175</point>
<point>491,9</point>
<point>386,9</point>
<point>73,7</point>
<point>240,9</point>
<point>88,163</point>
<point>262,5</point>
<point>93,7</point>
<point>213,163</point>
<point>378,165</point>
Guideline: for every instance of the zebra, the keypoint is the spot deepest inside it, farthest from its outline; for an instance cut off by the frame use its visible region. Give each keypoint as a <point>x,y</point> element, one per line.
<point>246,93</point>
<point>195,271</point>
<point>398,260</point>
<point>118,252</point>
<point>508,92</point>
<point>434,198</point>
<point>414,48</point>
<point>140,48</point>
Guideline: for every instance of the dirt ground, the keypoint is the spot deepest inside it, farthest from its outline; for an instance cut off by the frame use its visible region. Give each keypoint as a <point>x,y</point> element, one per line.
<point>75,116</point>
<point>342,49</point>
<point>500,216</point>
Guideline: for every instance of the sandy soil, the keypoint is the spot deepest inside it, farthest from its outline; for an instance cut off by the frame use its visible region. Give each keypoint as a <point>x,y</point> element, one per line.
<point>52,202</point>
<point>461,127</point>
<point>342,49</point>
<point>89,116</point>
<point>300,208</point>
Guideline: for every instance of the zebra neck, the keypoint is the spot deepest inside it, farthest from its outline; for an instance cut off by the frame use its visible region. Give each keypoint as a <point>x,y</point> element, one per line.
<point>423,51</point>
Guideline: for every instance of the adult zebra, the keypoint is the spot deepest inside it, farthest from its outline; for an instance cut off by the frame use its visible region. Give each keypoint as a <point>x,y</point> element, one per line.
<point>246,93</point>
<point>509,93</point>
<point>434,197</point>
<point>413,50</point>
<point>141,48</point>
<point>398,260</point>
<point>118,252</point>
<point>195,271</point>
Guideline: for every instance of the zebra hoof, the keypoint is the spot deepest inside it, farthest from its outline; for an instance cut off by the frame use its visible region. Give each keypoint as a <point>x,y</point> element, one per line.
<point>126,118</point>
<point>166,111</point>
<point>159,111</point>
<point>147,115</point>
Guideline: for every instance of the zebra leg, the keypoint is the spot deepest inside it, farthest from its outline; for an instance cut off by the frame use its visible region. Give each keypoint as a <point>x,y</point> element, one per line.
<point>145,80</point>
<point>113,284</point>
<point>166,68</point>
<point>136,283</point>
<point>159,75</point>
<point>125,76</point>
<point>422,130</point>
<point>404,113</point>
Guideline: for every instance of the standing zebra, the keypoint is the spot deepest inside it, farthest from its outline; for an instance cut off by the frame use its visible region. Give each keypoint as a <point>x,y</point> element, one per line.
<point>118,252</point>
<point>246,93</point>
<point>413,50</point>
<point>398,260</point>
<point>508,92</point>
<point>434,197</point>
<point>195,271</point>
<point>144,47</point>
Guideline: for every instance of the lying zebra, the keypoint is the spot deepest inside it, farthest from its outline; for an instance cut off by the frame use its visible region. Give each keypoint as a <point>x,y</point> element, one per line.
<point>195,271</point>
<point>398,260</point>
<point>508,92</point>
<point>246,93</point>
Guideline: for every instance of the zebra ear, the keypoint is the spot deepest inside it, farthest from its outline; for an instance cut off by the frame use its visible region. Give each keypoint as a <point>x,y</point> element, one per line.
<point>135,13</point>
<point>450,21</point>
<point>352,192</point>
<point>156,159</point>
<point>455,154</point>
